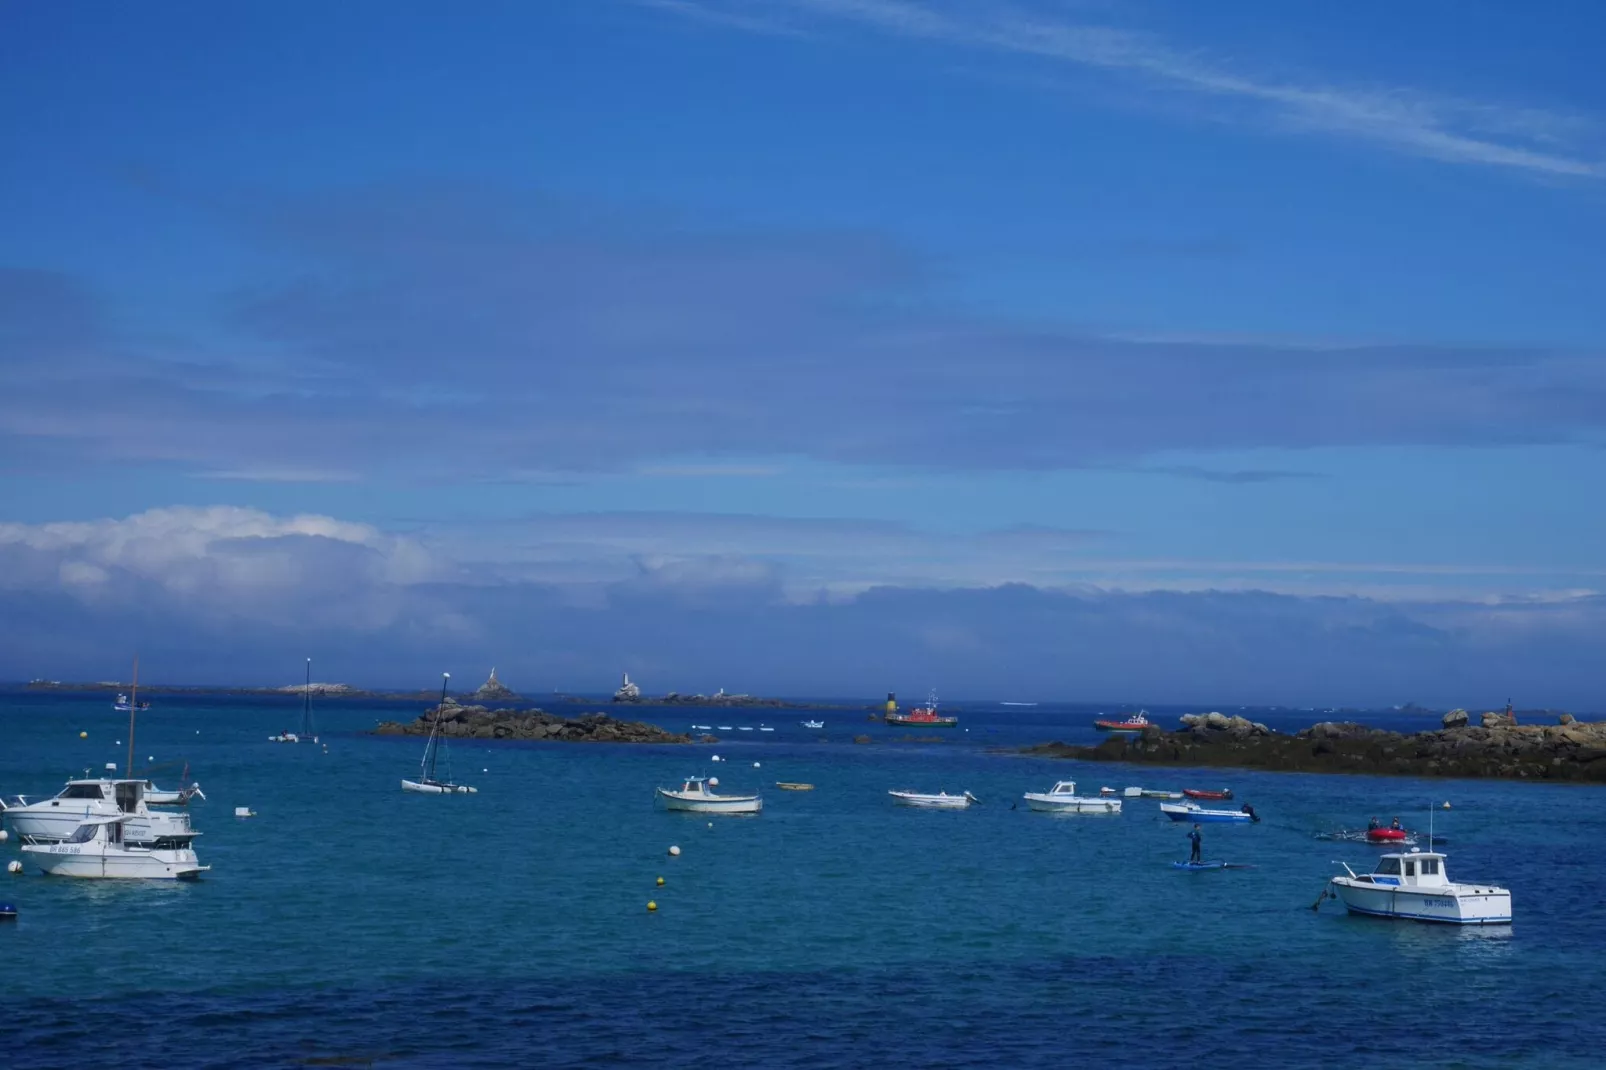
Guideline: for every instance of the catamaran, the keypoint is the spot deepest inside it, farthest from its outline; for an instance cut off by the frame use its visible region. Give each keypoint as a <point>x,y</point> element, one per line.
<point>307,733</point>
<point>428,783</point>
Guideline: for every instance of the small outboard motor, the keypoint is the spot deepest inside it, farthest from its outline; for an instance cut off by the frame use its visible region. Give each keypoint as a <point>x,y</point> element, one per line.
<point>1250,810</point>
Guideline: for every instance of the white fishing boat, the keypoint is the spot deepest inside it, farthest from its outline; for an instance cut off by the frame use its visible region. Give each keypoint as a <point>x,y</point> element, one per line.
<point>1150,793</point>
<point>694,795</point>
<point>813,724</point>
<point>307,733</point>
<point>940,801</point>
<point>58,817</point>
<point>1416,886</point>
<point>97,849</point>
<point>765,728</point>
<point>1062,798</point>
<point>429,782</point>
<point>126,705</point>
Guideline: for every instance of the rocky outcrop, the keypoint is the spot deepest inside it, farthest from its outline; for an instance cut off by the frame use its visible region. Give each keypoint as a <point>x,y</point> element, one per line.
<point>1572,751</point>
<point>477,722</point>
<point>1454,719</point>
<point>494,690</point>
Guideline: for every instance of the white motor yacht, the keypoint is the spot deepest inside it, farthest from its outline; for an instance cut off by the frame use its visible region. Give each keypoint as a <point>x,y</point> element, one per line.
<point>1415,886</point>
<point>693,795</point>
<point>97,849</point>
<point>1062,798</point>
<point>54,819</point>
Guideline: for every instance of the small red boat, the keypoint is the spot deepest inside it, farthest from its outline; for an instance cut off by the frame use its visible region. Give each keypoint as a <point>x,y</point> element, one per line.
<point>1135,723</point>
<point>1191,793</point>
<point>1385,835</point>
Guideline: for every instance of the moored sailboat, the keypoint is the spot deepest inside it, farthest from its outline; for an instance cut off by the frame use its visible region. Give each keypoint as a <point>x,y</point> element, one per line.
<point>307,734</point>
<point>428,783</point>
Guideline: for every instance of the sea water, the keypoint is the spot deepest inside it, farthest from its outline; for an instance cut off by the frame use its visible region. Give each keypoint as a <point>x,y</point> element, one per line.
<point>349,921</point>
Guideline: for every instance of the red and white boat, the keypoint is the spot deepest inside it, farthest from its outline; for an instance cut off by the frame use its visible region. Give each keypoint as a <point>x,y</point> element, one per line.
<point>1194,793</point>
<point>926,716</point>
<point>1137,722</point>
<point>1386,835</point>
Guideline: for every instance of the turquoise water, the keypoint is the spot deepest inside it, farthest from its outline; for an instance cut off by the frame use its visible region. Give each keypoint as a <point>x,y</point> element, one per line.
<point>349,919</point>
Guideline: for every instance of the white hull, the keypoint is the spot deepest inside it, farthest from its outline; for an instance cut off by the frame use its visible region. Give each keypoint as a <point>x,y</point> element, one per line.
<point>80,860</point>
<point>1455,904</point>
<point>941,801</point>
<point>431,787</point>
<point>711,804</point>
<point>1081,804</point>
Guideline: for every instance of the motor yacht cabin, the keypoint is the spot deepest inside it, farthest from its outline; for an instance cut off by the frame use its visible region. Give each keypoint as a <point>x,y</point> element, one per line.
<point>55,819</point>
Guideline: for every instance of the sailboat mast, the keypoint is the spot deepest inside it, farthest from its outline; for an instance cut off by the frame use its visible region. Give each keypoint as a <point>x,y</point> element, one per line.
<point>306,703</point>
<point>133,705</point>
<point>431,748</point>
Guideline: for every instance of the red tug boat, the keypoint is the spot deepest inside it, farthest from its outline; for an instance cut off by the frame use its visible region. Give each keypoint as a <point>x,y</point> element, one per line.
<point>1193,793</point>
<point>1137,722</point>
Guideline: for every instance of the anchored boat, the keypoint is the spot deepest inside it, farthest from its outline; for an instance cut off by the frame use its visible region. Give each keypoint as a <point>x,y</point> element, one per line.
<point>428,783</point>
<point>940,801</point>
<point>1416,886</point>
<point>57,818</point>
<point>1136,722</point>
<point>1062,798</point>
<point>693,795</point>
<point>1196,793</point>
<point>1195,812</point>
<point>97,849</point>
<point>925,716</point>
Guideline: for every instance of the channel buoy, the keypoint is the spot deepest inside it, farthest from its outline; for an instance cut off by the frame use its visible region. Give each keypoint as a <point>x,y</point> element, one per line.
<point>715,758</point>
<point>755,765</point>
<point>651,906</point>
<point>83,735</point>
<point>660,882</point>
<point>13,866</point>
<point>674,850</point>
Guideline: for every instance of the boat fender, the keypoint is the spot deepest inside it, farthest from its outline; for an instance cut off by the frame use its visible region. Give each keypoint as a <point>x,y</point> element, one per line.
<point>4,835</point>
<point>7,912</point>
<point>13,867</point>
<point>674,850</point>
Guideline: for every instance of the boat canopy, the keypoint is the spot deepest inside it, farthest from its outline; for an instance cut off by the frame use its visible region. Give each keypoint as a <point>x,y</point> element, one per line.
<point>1417,868</point>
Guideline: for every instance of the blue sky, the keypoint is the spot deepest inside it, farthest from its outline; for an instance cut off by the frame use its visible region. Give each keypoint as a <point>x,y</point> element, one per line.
<point>857,329</point>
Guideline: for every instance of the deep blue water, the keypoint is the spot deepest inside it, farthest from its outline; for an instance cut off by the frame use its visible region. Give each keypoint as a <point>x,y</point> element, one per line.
<point>349,920</point>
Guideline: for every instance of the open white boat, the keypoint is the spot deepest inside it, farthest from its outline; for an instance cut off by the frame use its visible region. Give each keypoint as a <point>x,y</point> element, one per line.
<point>1195,812</point>
<point>813,724</point>
<point>155,796</point>
<point>428,783</point>
<point>1062,798</point>
<point>97,849</point>
<point>1416,886</point>
<point>54,819</point>
<point>693,795</point>
<point>940,801</point>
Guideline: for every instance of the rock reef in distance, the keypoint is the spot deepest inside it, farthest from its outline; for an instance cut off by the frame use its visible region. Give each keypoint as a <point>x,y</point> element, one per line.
<point>1496,747</point>
<point>718,699</point>
<point>477,722</point>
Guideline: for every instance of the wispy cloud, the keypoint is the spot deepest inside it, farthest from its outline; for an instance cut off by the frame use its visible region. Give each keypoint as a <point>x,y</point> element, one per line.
<point>1399,117</point>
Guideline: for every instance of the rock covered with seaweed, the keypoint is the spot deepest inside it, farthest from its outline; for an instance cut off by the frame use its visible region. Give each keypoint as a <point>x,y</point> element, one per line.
<point>477,722</point>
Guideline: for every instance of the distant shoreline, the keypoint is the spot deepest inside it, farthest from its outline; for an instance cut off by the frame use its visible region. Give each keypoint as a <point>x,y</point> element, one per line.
<point>339,691</point>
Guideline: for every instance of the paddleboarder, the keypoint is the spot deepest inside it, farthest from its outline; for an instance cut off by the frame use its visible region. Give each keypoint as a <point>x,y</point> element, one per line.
<point>1195,839</point>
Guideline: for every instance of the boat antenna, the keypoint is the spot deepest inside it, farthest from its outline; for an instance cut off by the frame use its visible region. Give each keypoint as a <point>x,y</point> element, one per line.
<point>133,704</point>
<point>1430,828</point>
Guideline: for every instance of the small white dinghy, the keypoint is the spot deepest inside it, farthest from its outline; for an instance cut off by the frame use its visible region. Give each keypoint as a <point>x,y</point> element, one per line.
<point>940,801</point>
<point>97,849</point>
<point>693,795</point>
<point>1415,886</point>
<point>1062,798</point>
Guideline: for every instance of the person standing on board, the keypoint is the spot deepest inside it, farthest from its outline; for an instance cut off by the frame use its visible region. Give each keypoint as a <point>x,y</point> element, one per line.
<point>1195,839</point>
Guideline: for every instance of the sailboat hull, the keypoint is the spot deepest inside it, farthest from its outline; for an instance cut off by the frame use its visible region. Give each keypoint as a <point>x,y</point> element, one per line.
<point>430,787</point>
